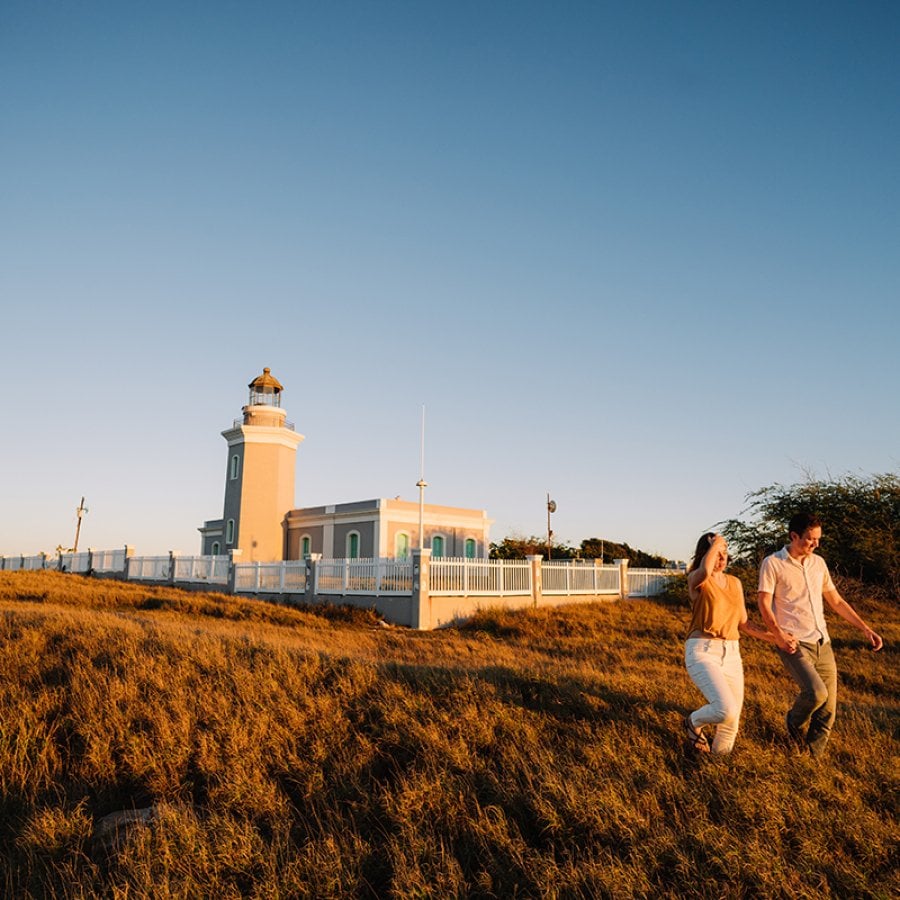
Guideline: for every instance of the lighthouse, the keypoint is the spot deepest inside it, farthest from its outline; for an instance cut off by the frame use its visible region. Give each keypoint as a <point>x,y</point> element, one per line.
<point>259,478</point>
<point>260,524</point>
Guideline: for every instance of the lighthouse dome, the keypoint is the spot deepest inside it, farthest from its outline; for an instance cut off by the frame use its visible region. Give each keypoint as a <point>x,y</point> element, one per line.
<point>265,389</point>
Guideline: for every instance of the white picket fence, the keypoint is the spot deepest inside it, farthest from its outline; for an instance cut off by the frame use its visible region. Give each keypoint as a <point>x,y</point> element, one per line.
<point>75,562</point>
<point>202,569</point>
<point>108,560</point>
<point>462,577</point>
<point>287,577</point>
<point>368,577</point>
<point>567,577</point>
<point>148,568</point>
<point>449,577</point>
<point>649,582</point>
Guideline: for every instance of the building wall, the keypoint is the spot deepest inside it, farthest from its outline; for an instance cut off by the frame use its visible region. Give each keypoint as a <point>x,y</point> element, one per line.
<point>295,540</point>
<point>328,527</point>
<point>455,524</point>
<point>263,491</point>
<point>231,508</point>
<point>266,494</point>
<point>378,523</point>
<point>366,531</point>
<point>212,532</point>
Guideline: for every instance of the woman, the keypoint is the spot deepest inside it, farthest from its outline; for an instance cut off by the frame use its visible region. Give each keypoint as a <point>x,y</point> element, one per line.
<point>712,652</point>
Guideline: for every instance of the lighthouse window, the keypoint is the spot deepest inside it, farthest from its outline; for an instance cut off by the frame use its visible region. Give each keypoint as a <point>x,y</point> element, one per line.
<point>229,531</point>
<point>235,466</point>
<point>353,545</point>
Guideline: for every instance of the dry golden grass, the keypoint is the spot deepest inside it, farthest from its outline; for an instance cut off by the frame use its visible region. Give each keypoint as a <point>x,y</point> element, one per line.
<point>320,754</point>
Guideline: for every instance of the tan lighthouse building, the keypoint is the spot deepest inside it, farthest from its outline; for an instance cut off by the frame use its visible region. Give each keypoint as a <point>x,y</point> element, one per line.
<point>259,479</point>
<point>259,522</point>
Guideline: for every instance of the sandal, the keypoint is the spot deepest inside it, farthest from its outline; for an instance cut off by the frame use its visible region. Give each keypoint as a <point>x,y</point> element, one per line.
<point>697,739</point>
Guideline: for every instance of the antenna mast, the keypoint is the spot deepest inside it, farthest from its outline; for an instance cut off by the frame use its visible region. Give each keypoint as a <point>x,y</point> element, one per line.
<point>551,508</point>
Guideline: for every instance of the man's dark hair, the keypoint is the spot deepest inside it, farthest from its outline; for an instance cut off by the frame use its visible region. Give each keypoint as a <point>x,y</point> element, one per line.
<point>801,521</point>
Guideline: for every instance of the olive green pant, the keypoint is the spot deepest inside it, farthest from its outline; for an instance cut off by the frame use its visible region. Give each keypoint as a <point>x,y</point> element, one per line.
<point>814,670</point>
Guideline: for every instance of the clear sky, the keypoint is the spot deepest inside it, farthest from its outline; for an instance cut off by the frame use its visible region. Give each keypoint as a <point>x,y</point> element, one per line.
<point>642,256</point>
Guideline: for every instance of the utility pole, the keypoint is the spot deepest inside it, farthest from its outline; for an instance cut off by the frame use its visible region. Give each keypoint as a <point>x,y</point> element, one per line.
<point>82,509</point>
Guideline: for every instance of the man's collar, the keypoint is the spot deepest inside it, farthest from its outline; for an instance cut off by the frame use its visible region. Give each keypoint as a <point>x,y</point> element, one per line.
<point>784,553</point>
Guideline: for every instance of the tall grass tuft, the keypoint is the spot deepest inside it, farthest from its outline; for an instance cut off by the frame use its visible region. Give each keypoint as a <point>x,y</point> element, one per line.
<point>289,753</point>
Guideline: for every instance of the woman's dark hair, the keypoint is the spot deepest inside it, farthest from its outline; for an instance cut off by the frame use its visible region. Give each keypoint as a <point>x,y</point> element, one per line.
<point>803,520</point>
<point>702,548</point>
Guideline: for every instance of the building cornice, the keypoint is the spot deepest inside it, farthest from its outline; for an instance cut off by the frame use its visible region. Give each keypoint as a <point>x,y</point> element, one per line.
<point>262,434</point>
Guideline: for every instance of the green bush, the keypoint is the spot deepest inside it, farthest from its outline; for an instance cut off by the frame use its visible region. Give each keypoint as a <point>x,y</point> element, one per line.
<point>860,524</point>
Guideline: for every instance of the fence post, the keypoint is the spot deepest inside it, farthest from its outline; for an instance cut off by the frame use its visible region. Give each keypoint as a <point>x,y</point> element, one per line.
<point>173,555</point>
<point>233,557</point>
<point>537,578</point>
<point>312,578</point>
<point>623,578</point>
<point>421,589</point>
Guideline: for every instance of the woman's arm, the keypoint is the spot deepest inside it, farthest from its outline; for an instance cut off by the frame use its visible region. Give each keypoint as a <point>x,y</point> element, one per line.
<point>707,564</point>
<point>757,631</point>
<point>761,632</point>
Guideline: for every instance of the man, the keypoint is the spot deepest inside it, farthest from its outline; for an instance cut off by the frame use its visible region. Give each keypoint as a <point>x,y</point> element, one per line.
<point>792,585</point>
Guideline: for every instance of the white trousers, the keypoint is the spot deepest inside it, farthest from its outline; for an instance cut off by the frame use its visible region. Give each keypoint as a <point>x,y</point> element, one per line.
<point>715,667</point>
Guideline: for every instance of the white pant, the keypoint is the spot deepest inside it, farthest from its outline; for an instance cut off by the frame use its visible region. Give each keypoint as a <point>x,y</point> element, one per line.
<point>715,667</point>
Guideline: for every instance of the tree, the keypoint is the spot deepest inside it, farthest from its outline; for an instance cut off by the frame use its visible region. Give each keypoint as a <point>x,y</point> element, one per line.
<point>518,547</point>
<point>860,524</point>
<point>597,548</point>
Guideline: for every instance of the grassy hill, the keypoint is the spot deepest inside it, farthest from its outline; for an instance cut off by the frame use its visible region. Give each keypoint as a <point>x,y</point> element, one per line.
<point>534,754</point>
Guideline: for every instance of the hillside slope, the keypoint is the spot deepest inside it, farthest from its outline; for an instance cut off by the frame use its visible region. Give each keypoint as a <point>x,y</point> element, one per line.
<point>537,754</point>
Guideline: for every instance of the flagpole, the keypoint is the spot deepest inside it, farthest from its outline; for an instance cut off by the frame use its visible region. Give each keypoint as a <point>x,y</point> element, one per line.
<point>421,484</point>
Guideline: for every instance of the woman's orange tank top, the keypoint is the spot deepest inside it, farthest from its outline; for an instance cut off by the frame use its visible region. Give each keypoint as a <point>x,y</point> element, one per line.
<point>718,611</point>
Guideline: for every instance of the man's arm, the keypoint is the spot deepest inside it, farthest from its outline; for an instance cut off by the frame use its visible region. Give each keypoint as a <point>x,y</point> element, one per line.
<point>783,640</point>
<point>846,611</point>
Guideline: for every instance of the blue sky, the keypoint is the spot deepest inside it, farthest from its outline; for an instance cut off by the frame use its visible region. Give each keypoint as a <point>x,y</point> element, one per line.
<point>642,256</point>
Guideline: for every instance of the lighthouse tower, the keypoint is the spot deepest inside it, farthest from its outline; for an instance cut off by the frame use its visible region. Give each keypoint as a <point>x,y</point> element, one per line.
<point>259,478</point>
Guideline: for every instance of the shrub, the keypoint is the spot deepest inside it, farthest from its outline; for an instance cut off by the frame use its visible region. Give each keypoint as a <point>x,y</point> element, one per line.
<point>860,532</point>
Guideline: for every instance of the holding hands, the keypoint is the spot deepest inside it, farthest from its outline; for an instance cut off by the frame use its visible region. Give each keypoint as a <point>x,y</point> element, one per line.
<point>787,642</point>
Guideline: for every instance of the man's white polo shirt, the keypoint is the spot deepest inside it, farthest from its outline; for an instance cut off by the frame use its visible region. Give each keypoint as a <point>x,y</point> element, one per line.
<point>797,591</point>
